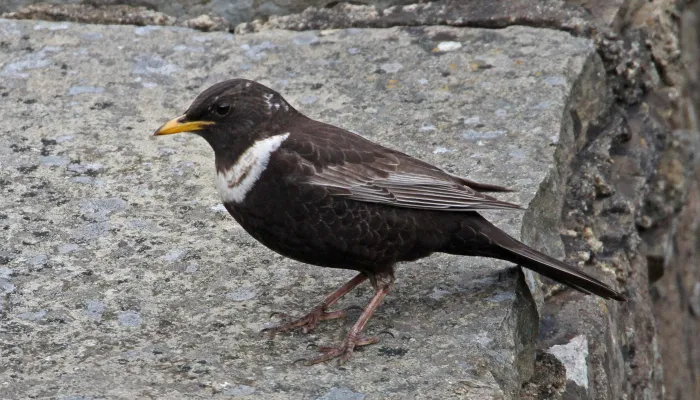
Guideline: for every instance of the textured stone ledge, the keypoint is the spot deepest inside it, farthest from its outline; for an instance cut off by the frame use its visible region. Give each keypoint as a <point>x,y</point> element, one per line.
<point>572,15</point>
<point>123,278</point>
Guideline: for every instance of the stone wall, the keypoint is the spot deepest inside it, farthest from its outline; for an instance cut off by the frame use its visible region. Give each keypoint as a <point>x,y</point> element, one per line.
<point>233,12</point>
<point>625,176</point>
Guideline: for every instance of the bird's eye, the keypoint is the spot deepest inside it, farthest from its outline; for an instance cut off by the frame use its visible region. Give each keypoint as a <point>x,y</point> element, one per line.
<point>223,109</point>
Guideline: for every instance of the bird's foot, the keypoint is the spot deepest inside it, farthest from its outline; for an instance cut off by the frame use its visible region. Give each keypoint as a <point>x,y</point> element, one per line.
<point>310,321</point>
<point>342,352</point>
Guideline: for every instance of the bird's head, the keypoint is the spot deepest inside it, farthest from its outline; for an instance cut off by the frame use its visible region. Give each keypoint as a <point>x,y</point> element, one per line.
<point>229,111</point>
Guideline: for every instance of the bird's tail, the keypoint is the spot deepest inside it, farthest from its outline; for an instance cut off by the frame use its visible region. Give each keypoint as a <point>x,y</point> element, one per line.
<point>512,250</point>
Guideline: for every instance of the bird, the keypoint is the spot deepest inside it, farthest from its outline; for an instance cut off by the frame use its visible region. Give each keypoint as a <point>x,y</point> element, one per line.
<point>325,196</point>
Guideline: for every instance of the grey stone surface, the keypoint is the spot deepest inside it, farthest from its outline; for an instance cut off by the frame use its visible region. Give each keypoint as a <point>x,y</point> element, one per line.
<point>122,278</point>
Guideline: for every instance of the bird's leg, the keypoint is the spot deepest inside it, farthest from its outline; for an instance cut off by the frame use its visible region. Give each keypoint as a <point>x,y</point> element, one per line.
<point>355,338</point>
<point>320,313</point>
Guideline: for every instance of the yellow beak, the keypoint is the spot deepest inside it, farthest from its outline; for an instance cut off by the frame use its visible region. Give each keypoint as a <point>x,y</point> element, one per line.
<point>177,125</point>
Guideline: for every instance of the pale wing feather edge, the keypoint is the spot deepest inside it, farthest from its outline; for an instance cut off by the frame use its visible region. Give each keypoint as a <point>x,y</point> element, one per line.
<point>407,190</point>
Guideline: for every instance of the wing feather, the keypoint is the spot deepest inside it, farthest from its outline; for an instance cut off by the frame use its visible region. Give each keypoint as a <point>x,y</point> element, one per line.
<point>372,173</point>
<point>404,190</point>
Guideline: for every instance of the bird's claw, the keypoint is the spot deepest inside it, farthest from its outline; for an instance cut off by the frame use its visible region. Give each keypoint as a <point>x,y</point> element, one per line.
<point>342,352</point>
<point>387,332</point>
<point>309,322</point>
<point>354,307</point>
<point>299,360</point>
<point>280,314</point>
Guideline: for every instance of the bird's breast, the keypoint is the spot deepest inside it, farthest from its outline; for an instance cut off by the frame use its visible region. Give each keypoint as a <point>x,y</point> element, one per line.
<point>235,182</point>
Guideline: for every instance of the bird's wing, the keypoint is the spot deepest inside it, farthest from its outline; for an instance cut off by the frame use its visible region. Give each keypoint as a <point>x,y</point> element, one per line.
<point>352,167</point>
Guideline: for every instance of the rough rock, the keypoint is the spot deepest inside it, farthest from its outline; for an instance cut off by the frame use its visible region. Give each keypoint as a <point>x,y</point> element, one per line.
<point>233,11</point>
<point>475,13</point>
<point>676,288</point>
<point>549,380</point>
<point>580,16</point>
<point>121,277</point>
<point>118,14</point>
<point>676,296</point>
<point>87,13</point>
<point>206,23</point>
<point>623,153</point>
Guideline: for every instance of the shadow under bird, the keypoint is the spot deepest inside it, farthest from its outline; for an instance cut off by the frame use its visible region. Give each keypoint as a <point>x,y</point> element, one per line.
<point>325,196</point>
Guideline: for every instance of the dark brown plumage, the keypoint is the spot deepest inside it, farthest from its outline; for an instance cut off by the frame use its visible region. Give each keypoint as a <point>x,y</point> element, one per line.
<point>325,196</point>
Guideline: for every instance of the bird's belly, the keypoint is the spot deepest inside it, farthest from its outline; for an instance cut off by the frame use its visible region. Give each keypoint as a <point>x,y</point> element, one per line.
<point>332,232</point>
